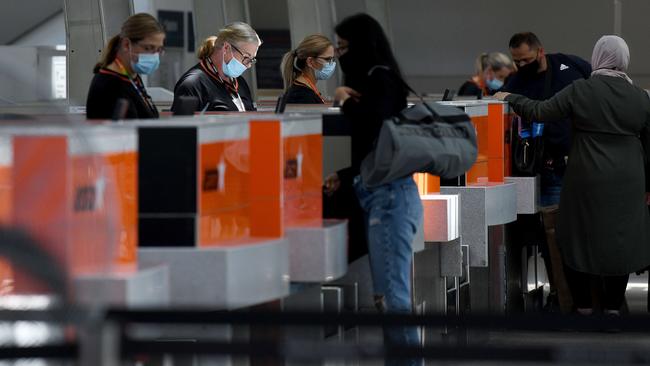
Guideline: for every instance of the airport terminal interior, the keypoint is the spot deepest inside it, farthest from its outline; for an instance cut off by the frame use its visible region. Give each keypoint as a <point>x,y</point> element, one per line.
<point>324,182</point>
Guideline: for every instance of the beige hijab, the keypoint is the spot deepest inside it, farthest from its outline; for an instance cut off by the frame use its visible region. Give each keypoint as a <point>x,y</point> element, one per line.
<point>611,57</point>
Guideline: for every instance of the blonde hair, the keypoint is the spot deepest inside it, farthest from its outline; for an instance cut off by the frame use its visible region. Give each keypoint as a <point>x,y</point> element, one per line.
<point>493,60</point>
<point>136,28</point>
<point>295,61</point>
<point>233,33</point>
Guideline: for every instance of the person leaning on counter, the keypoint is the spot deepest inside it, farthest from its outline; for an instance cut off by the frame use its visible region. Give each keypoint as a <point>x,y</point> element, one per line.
<point>135,51</point>
<point>216,80</point>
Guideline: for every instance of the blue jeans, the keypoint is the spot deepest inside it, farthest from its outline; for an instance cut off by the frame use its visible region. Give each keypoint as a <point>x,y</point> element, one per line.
<point>551,186</point>
<point>393,212</point>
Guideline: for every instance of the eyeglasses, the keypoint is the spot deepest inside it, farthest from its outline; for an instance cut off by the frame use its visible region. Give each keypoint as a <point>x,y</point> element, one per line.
<point>341,50</point>
<point>150,48</point>
<point>247,60</point>
<point>329,60</point>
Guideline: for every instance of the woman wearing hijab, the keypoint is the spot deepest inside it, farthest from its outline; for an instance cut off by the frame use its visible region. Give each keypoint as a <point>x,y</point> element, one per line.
<point>375,91</point>
<point>603,227</point>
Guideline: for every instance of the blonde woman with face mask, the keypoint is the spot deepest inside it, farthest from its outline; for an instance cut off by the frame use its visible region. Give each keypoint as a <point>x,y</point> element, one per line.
<point>216,81</point>
<point>302,68</point>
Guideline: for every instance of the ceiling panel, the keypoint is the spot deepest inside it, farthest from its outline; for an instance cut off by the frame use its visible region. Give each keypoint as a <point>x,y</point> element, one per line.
<point>19,17</point>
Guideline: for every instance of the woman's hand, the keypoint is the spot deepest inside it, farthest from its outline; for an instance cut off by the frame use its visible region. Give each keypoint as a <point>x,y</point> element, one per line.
<point>343,93</point>
<point>501,95</point>
<point>332,184</point>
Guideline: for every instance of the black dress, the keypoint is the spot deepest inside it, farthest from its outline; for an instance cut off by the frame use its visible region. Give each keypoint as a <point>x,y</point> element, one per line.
<point>299,93</point>
<point>108,86</point>
<point>210,91</point>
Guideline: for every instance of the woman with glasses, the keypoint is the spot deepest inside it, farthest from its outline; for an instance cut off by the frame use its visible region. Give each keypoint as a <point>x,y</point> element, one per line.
<point>216,80</point>
<point>117,91</point>
<point>301,68</point>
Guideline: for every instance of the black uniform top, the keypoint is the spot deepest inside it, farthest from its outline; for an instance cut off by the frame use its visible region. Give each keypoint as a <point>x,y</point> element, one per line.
<point>564,70</point>
<point>470,88</point>
<point>108,86</point>
<point>382,95</point>
<point>300,93</point>
<point>198,82</point>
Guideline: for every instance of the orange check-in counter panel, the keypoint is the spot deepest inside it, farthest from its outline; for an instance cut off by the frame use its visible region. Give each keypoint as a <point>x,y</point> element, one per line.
<point>489,118</point>
<point>75,192</point>
<point>302,148</point>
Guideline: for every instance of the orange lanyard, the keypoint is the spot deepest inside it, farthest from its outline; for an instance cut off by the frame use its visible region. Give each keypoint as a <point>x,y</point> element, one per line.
<point>311,86</point>
<point>140,90</point>
<point>214,73</point>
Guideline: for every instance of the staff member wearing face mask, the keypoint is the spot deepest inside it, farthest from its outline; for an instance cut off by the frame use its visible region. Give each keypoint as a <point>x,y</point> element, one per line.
<point>311,61</point>
<point>492,69</point>
<point>135,51</point>
<point>216,80</point>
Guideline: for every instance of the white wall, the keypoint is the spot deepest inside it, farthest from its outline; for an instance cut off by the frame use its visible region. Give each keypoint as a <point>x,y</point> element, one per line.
<point>436,42</point>
<point>176,60</point>
<point>269,14</point>
<point>25,74</point>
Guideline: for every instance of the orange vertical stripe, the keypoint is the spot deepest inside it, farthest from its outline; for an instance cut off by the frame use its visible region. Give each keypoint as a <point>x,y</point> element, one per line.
<point>266,178</point>
<point>496,142</point>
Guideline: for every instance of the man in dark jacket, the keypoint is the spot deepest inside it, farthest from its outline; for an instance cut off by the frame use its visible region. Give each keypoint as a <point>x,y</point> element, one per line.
<point>540,76</point>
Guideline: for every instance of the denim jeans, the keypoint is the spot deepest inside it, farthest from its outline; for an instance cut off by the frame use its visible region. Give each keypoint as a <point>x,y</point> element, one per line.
<point>551,186</point>
<point>393,212</point>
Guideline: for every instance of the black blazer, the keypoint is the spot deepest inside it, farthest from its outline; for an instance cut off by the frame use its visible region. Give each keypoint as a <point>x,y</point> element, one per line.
<point>107,87</point>
<point>197,83</point>
<point>301,94</point>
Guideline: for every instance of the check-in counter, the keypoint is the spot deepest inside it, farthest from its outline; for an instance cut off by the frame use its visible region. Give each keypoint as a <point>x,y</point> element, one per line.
<point>318,248</point>
<point>488,202</point>
<point>74,190</point>
<point>211,209</point>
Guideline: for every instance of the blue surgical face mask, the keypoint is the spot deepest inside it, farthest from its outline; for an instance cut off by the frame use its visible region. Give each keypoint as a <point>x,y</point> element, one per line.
<point>147,63</point>
<point>234,68</point>
<point>326,72</point>
<point>494,84</point>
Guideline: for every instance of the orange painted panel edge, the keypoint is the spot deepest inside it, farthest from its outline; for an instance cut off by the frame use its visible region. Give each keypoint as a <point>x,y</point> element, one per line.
<point>427,183</point>
<point>496,139</point>
<point>266,178</point>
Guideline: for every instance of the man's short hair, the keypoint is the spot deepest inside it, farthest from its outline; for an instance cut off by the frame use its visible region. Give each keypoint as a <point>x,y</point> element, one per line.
<point>528,38</point>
